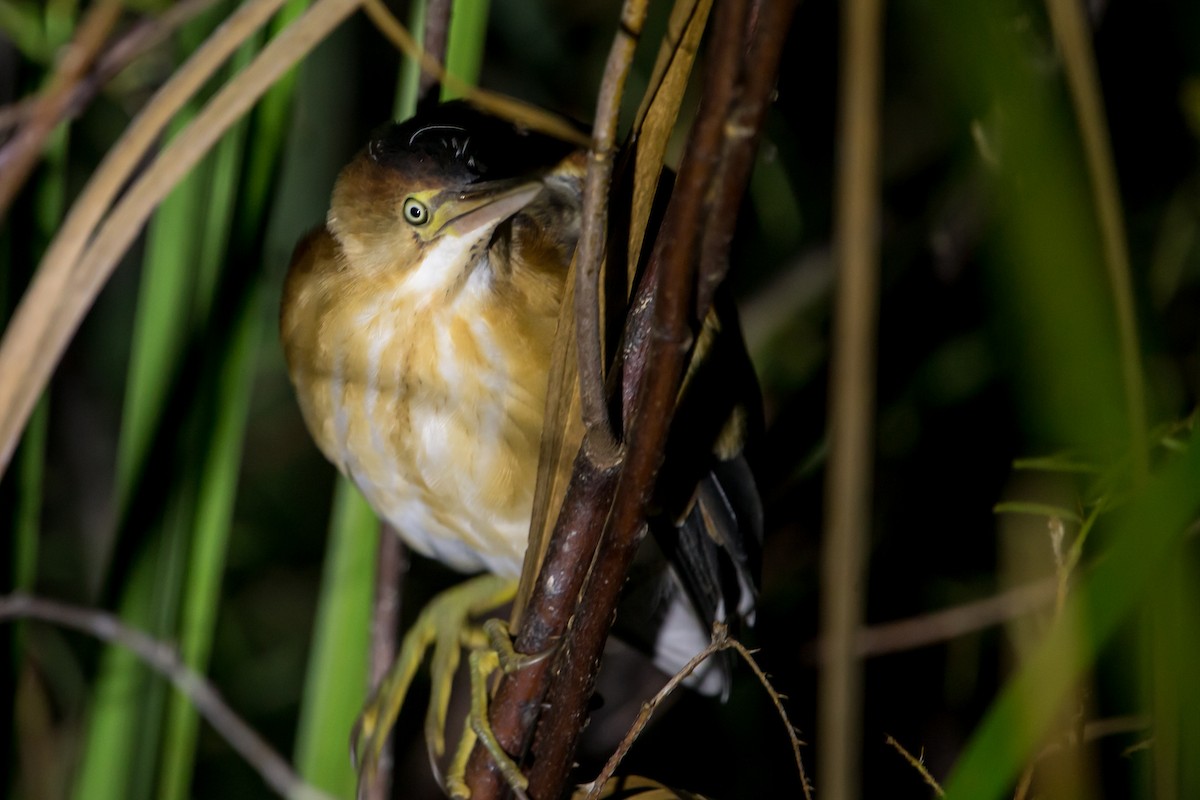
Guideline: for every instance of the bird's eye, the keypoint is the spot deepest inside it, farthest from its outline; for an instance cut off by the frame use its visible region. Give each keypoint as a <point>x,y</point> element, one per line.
<point>416,212</point>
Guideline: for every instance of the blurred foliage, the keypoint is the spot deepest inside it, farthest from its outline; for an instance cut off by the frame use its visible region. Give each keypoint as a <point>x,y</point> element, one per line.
<point>997,342</point>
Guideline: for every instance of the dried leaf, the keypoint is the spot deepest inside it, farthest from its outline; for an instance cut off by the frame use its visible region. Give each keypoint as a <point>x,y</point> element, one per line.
<point>659,110</point>
<point>635,787</point>
<point>561,436</point>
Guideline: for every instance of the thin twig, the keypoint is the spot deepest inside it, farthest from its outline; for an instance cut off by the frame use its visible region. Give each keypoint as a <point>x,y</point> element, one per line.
<point>950,623</point>
<point>510,108</point>
<point>141,37</point>
<point>27,353</point>
<point>390,566</point>
<point>720,641</point>
<point>275,771</point>
<point>594,227</point>
<point>917,763</point>
<point>20,154</point>
<point>848,485</point>
<point>777,699</point>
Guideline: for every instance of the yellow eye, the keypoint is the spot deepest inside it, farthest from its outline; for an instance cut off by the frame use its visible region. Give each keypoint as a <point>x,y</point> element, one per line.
<point>415,212</point>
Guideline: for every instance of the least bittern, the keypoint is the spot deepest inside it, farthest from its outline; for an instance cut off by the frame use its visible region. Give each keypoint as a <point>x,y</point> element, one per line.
<point>418,326</point>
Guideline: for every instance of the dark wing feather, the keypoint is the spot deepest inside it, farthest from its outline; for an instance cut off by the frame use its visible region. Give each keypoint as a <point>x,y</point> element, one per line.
<point>708,520</point>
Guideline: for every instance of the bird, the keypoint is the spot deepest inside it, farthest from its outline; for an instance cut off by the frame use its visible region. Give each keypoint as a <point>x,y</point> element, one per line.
<point>418,326</point>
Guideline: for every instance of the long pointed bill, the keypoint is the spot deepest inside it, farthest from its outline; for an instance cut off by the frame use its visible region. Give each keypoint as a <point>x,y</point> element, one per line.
<point>488,204</point>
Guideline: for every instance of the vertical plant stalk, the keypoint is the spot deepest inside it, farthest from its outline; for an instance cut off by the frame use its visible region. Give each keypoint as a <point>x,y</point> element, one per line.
<point>335,683</point>
<point>31,718</point>
<point>1165,670</point>
<point>742,64</point>
<point>1073,36</point>
<point>130,734</point>
<point>594,473</point>
<point>462,47</point>
<point>658,333</point>
<point>390,562</point>
<point>212,525</point>
<point>851,401</point>
<point>185,552</point>
<point>437,34</point>
<point>594,227</point>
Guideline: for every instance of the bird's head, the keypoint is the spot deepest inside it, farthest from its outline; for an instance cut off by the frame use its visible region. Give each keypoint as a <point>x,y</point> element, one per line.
<point>443,182</point>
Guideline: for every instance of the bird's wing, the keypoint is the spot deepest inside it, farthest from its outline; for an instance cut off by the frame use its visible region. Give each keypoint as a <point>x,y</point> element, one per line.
<point>709,523</point>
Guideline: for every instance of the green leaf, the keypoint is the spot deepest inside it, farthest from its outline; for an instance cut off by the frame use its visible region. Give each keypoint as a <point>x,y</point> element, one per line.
<point>335,686</point>
<point>465,42</point>
<point>1037,509</point>
<point>1145,536</point>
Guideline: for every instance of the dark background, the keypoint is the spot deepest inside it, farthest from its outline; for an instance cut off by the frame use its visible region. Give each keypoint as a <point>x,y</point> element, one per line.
<point>952,412</point>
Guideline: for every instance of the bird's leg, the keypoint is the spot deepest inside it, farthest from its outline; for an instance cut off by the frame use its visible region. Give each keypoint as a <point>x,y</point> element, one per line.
<point>444,623</point>
<point>483,661</point>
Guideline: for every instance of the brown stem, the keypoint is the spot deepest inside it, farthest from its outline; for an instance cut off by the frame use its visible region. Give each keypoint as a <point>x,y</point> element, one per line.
<point>659,334</point>
<point>592,394</point>
<point>769,23</point>
<point>593,481</point>
<point>569,553</point>
<point>437,29</point>
<point>657,341</point>
<point>20,154</point>
<point>390,566</point>
<point>848,482</point>
<point>658,337</point>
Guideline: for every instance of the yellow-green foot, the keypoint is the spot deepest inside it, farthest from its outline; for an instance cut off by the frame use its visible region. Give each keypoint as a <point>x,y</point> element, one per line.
<point>497,653</point>
<point>444,624</point>
<point>482,663</point>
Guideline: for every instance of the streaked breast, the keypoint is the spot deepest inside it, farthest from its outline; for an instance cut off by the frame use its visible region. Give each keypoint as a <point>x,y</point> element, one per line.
<point>434,409</point>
